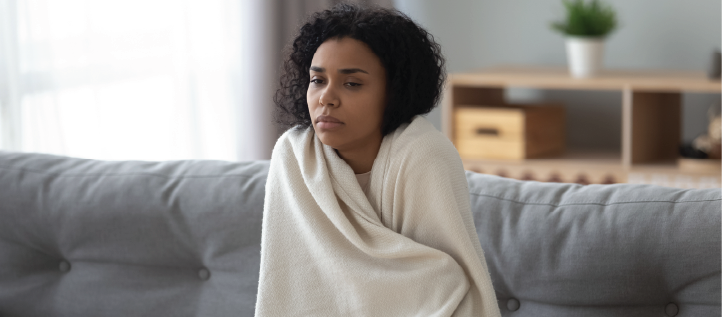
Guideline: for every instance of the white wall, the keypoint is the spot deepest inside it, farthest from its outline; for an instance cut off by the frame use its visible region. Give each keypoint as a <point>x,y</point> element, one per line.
<point>654,34</point>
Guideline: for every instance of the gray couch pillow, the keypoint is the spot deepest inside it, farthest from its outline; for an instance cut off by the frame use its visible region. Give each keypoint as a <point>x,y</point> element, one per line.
<point>96,238</point>
<point>599,250</point>
<point>182,238</point>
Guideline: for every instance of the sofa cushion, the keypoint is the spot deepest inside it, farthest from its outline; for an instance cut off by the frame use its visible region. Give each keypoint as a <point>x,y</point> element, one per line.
<point>599,250</point>
<point>100,238</point>
<point>182,238</point>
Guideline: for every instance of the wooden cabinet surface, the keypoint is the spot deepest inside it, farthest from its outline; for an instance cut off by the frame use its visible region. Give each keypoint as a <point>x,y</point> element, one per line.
<point>651,125</point>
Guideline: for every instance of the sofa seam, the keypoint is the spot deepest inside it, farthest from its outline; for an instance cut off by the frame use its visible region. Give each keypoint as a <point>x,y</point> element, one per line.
<point>520,299</point>
<point>121,263</point>
<point>122,174</point>
<point>594,203</point>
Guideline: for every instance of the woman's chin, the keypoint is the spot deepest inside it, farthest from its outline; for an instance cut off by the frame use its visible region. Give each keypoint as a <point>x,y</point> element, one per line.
<point>330,138</point>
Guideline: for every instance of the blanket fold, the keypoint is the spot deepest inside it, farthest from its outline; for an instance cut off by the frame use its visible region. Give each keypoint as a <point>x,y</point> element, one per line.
<point>409,248</point>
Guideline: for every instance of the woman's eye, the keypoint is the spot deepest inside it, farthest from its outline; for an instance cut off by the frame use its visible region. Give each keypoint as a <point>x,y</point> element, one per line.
<point>317,81</point>
<point>353,84</point>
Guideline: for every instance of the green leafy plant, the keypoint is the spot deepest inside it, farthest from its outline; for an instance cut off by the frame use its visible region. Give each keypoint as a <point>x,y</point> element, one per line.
<point>592,19</point>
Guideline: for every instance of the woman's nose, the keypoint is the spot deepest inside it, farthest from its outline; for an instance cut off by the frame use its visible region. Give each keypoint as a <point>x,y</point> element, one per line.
<point>329,98</point>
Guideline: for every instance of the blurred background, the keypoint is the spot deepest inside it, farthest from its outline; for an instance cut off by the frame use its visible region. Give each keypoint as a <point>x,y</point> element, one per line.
<point>182,79</point>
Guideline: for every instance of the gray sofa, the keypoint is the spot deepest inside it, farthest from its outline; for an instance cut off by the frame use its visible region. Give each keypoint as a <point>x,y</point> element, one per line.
<point>182,238</point>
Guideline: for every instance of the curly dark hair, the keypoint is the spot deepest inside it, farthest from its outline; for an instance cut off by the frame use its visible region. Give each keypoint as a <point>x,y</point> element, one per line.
<point>414,65</point>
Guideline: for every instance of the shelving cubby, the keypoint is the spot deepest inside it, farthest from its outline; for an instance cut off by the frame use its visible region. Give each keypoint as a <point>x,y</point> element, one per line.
<point>651,125</point>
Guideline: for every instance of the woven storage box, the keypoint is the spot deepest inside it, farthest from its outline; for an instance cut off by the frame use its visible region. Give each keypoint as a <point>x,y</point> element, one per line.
<point>509,131</point>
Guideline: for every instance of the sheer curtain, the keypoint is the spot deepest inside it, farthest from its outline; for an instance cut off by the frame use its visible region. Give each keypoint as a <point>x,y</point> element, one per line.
<point>150,79</point>
<point>144,79</point>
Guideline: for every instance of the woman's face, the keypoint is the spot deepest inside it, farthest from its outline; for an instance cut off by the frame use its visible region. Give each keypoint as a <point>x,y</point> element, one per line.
<point>347,94</point>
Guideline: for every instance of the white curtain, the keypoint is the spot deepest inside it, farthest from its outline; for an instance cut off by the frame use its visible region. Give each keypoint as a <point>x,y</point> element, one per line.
<point>144,79</point>
<point>132,79</point>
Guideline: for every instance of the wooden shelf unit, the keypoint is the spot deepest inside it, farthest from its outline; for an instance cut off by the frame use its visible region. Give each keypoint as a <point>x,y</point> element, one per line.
<point>651,124</point>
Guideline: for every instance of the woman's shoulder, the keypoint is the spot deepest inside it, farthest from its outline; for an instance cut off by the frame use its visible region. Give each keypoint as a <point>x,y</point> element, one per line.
<point>422,154</point>
<point>420,139</point>
<point>421,149</point>
<point>292,138</point>
<point>294,133</point>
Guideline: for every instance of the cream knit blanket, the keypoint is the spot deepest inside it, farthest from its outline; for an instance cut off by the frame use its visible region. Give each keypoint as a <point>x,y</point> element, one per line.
<point>409,249</point>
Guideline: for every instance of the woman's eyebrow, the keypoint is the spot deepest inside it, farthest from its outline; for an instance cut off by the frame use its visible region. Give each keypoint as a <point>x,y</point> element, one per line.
<point>342,71</point>
<point>352,70</point>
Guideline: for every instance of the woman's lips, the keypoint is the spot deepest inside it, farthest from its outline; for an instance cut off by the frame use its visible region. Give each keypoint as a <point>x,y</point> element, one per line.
<point>328,125</point>
<point>328,122</point>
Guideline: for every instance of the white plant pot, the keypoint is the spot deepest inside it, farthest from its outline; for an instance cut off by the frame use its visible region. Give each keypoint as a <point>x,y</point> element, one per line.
<point>585,56</point>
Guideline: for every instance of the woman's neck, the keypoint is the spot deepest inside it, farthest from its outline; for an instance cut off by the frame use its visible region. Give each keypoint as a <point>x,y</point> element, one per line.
<point>361,158</point>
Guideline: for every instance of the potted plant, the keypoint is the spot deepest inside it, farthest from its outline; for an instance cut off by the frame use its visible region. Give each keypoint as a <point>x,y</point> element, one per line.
<point>586,26</point>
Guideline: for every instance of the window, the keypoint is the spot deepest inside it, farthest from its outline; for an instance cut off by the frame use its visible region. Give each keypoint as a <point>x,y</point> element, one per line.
<point>117,80</point>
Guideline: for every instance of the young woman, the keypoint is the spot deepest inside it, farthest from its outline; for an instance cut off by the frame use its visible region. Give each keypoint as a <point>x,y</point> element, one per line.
<point>367,205</point>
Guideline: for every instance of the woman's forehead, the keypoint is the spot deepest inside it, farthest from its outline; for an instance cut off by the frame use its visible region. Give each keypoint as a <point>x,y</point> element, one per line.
<point>345,55</point>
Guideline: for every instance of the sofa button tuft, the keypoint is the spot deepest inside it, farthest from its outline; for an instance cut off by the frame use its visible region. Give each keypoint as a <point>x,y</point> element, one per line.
<point>204,274</point>
<point>671,309</point>
<point>64,266</point>
<point>512,304</point>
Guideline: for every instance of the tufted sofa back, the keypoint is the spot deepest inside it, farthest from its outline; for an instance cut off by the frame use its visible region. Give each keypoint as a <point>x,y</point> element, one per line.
<point>94,238</point>
<point>182,238</point>
<point>599,250</point>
